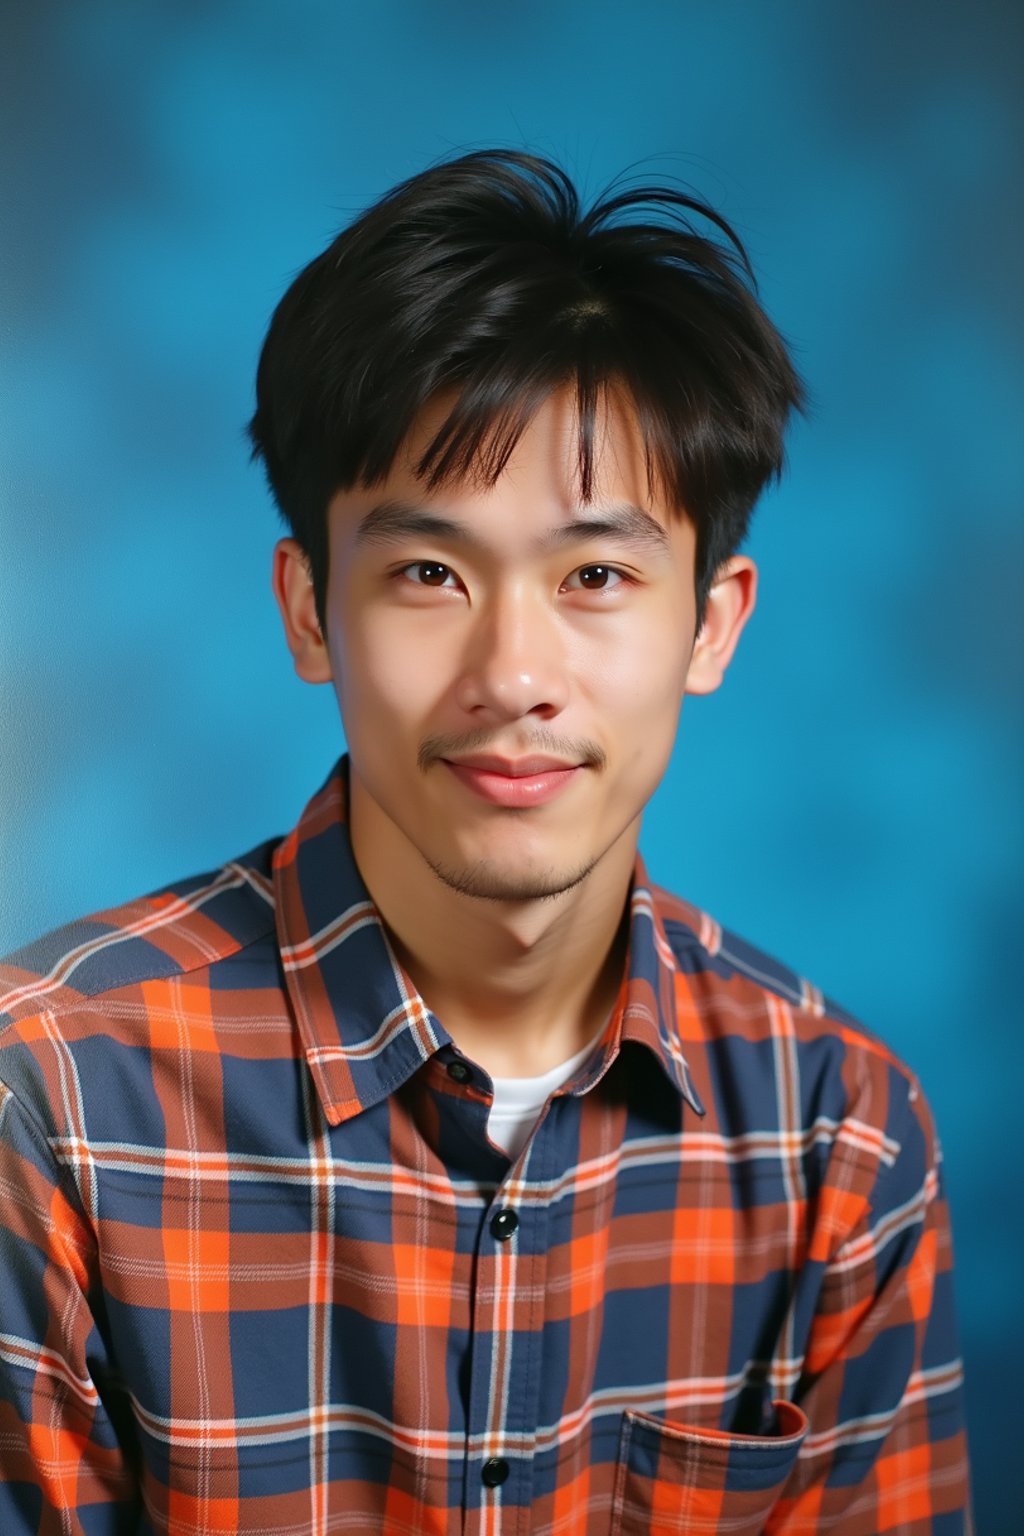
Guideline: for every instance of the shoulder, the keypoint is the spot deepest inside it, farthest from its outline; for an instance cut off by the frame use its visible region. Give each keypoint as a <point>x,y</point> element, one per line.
<point>185,926</point>
<point>100,976</point>
<point>703,948</point>
<point>777,1053</point>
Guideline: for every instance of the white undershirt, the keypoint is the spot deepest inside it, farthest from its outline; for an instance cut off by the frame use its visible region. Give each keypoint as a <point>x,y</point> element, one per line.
<point>518,1101</point>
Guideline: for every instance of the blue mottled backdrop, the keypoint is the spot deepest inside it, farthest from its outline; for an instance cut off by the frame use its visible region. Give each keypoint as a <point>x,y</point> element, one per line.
<point>851,800</point>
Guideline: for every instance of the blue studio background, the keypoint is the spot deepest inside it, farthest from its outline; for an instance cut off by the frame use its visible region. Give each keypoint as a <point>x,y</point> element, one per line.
<point>850,800</point>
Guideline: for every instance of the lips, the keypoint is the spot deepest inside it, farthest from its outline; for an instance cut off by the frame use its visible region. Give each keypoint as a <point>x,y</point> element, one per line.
<point>513,785</point>
<point>519,768</point>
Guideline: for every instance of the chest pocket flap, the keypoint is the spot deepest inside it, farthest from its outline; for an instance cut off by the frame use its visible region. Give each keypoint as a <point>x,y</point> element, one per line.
<point>672,1479</point>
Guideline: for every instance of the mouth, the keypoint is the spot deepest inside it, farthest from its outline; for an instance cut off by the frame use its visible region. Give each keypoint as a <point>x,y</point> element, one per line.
<point>515,785</point>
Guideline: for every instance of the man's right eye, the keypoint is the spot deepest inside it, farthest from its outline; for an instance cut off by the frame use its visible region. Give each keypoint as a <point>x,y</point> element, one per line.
<point>429,573</point>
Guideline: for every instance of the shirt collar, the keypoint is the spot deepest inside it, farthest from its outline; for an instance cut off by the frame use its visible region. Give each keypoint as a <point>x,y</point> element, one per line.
<point>364,1027</point>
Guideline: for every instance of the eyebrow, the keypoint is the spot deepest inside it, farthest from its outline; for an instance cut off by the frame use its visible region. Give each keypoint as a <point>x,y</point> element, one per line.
<point>393,521</point>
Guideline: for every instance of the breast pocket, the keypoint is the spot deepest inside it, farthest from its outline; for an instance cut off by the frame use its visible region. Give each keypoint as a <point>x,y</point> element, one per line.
<point>671,1479</point>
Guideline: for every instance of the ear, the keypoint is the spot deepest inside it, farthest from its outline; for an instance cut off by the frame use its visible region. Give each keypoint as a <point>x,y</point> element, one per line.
<point>293,587</point>
<point>730,604</point>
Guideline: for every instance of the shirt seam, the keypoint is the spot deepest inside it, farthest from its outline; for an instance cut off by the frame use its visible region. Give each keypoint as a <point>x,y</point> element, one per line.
<point>64,999</point>
<point>62,1175</point>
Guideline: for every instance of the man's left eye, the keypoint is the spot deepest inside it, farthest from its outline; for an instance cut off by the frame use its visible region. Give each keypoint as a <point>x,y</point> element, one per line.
<point>594,578</point>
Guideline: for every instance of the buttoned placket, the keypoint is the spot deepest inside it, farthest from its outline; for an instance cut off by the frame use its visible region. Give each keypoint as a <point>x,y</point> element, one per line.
<point>508,1320</point>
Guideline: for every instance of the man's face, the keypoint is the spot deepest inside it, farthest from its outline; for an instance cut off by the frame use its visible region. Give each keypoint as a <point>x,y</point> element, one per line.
<point>509,662</point>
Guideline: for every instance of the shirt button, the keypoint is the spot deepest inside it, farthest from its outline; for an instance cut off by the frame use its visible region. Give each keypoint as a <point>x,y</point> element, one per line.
<point>503,1224</point>
<point>459,1072</point>
<point>494,1472</point>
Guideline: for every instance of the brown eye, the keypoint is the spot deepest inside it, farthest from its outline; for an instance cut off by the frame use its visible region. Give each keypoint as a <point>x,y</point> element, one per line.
<point>429,573</point>
<point>595,578</point>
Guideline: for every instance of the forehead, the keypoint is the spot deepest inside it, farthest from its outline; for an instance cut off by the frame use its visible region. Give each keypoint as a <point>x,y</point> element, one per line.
<point>549,445</point>
<point>539,487</point>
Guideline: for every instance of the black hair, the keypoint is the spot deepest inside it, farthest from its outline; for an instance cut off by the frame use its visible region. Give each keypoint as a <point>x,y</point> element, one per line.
<point>485,277</point>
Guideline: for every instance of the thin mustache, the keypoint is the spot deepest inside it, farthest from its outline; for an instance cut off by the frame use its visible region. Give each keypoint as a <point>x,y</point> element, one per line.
<point>543,744</point>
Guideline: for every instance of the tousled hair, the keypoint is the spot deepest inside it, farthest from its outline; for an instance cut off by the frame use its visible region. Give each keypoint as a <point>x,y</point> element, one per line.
<point>484,278</point>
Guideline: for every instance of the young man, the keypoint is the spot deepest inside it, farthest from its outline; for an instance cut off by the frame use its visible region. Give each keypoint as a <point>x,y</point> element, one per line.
<point>427,1170</point>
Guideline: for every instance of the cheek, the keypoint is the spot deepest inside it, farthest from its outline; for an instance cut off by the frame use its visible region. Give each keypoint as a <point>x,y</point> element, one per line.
<point>383,673</point>
<point>638,671</point>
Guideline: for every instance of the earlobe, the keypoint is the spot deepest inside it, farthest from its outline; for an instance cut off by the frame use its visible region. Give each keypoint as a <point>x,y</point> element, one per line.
<point>293,588</point>
<point>729,605</point>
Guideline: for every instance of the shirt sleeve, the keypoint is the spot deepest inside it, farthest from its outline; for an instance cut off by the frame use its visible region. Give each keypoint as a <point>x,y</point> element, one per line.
<point>882,1383</point>
<point>65,1429</point>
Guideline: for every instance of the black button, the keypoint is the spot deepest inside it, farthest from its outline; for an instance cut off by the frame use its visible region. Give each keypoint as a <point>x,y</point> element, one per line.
<point>494,1472</point>
<point>503,1224</point>
<point>459,1072</point>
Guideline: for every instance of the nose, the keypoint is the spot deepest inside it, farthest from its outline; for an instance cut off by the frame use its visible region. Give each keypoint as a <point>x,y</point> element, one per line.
<point>514,662</point>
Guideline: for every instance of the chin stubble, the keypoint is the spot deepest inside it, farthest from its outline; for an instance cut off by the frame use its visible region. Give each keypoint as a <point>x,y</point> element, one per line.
<point>486,882</point>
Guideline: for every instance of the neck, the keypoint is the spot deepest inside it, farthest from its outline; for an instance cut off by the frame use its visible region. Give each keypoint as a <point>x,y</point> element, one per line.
<point>520,986</point>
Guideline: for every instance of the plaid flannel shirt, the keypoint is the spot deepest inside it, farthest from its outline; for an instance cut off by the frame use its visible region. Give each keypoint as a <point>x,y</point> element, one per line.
<point>263,1271</point>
